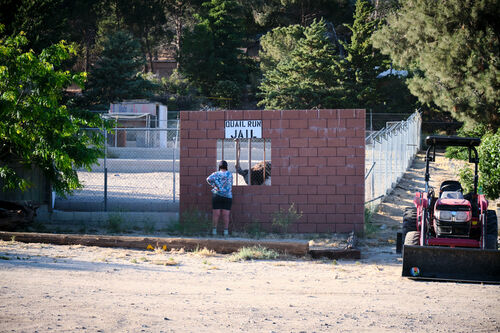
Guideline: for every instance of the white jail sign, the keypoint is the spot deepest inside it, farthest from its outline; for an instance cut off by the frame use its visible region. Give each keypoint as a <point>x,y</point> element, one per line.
<point>243,129</point>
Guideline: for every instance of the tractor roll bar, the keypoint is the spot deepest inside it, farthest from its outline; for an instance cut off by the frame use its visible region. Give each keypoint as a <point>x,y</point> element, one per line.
<point>434,141</point>
<point>446,141</point>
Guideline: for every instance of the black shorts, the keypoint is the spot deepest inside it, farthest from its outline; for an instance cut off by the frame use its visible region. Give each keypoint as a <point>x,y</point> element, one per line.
<point>220,202</point>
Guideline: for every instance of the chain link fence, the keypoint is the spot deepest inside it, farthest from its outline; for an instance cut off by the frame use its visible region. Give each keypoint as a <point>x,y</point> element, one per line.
<point>139,172</point>
<point>389,152</point>
<point>140,169</point>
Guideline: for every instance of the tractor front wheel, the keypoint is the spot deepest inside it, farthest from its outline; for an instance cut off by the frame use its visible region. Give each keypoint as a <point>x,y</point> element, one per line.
<point>491,230</point>
<point>412,238</point>
<point>409,221</point>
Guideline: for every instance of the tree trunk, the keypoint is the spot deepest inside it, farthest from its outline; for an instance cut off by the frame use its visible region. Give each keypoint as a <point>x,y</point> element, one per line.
<point>178,33</point>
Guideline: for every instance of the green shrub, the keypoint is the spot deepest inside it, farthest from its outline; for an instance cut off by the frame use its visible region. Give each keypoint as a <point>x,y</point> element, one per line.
<point>149,227</point>
<point>489,165</point>
<point>115,224</point>
<point>193,222</point>
<point>227,89</point>
<point>466,175</point>
<point>283,218</point>
<point>254,229</point>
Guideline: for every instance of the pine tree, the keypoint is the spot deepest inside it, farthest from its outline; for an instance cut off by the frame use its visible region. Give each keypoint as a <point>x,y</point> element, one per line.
<point>452,49</point>
<point>146,20</point>
<point>116,76</point>
<point>278,44</point>
<point>210,52</point>
<point>362,64</point>
<point>309,78</point>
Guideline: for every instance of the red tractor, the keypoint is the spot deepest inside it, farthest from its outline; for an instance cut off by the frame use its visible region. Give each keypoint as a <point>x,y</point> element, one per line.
<point>450,235</point>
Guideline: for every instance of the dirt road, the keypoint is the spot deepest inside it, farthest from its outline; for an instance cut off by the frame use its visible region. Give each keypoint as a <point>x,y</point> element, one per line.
<point>87,289</point>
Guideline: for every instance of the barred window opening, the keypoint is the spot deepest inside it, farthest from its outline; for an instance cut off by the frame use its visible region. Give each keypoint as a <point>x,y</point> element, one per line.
<point>248,159</point>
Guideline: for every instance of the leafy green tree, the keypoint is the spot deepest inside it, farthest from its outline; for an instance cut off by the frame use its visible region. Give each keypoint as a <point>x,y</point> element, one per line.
<point>36,128</point>
<point>211,51</point>
<point>308,78</point>
<point>117,74</point>
<point>452,49</point>
<point>44,22</point>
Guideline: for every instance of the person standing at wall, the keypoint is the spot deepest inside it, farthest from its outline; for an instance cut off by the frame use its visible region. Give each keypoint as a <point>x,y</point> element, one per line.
<point>222,197</point>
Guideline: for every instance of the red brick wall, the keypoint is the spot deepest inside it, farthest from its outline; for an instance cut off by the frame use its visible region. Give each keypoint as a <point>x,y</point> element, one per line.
<point>318,163</point>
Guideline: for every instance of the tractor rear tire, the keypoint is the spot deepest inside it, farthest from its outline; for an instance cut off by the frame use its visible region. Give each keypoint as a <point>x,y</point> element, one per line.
<point>409,221</point>
<point>412,238</point>
<point>491,230</point>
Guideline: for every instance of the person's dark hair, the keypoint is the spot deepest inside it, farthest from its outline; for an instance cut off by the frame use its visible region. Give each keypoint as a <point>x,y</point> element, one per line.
<point>223,165</point>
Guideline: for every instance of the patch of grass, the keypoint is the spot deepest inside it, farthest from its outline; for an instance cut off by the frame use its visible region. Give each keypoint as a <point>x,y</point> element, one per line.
<point>254,229</point>
<point>133,261</point>
<point>254,252</point>
<point>368,215</point>
<point>282,219</point>
<point>115,224</point>
<point>149,227</point>
<point>204,252</point>
<point>38,226</point>
<point>83,228</point>
<point>370,228</point>
<point>4,258</point>
<point>192,222</point>
<point>168,262</point>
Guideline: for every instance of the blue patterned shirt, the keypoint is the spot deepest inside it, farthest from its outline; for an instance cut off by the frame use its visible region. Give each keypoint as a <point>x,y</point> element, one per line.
<point>222,183</point>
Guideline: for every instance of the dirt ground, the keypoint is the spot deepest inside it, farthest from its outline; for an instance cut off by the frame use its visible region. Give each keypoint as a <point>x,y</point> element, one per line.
<point>75,288</point>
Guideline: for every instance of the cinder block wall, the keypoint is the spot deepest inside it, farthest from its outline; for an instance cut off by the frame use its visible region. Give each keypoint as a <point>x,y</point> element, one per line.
<point>318,161</point>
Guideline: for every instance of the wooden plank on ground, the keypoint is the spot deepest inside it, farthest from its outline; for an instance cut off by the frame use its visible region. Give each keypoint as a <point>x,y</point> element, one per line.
<point>219,245</point>
<point>332,253</point>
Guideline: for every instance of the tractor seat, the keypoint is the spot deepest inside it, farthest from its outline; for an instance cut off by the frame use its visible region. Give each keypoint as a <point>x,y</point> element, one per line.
<point>451,189</point>
<point>450,186</point>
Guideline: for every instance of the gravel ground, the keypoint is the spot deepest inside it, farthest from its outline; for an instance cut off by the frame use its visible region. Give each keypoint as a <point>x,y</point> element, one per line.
<point>75,288</point>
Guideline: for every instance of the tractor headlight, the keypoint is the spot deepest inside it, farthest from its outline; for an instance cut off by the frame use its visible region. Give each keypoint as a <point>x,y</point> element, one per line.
<point>443,215</point>
<point>452,216</point>
<point>462,216</point>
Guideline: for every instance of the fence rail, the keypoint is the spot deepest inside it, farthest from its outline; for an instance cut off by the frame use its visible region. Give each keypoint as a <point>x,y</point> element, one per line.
<point>389,152</point>
<point>139,172</point>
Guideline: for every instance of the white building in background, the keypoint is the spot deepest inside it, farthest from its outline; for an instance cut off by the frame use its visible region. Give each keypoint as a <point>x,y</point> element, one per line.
<point>139,114</point>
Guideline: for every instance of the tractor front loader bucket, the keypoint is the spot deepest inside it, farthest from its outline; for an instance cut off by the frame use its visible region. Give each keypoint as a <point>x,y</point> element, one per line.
<point>451,264</point>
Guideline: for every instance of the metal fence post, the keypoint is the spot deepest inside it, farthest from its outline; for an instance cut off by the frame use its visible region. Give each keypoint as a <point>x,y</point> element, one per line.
<point>105,170</point>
